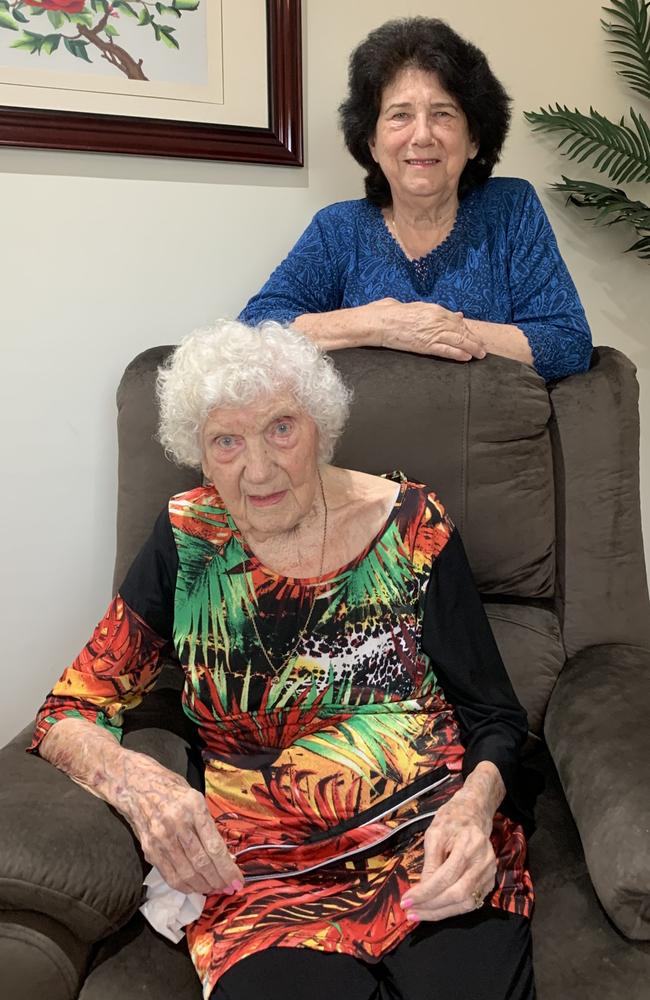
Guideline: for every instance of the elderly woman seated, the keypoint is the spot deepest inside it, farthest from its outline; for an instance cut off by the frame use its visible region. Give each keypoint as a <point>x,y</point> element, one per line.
<point>358,730</point>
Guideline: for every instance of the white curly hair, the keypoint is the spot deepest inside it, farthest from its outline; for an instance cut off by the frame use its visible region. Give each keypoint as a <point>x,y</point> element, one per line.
<point>230,364</point>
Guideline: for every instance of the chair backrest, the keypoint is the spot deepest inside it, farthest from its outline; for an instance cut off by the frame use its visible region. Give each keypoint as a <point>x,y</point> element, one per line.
<point>478,434</point>
<point>485,437</point>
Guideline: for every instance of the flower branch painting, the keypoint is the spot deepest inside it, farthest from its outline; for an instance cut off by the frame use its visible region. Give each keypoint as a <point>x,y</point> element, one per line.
<point>206,79</point>
<point>91,29</point>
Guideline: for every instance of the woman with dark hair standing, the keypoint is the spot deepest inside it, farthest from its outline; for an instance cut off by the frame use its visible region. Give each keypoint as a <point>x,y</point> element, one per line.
<point>438,258</point>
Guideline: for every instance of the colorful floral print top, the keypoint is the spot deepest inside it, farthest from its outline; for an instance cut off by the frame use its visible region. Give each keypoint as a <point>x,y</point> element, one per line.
<point>323,773</point>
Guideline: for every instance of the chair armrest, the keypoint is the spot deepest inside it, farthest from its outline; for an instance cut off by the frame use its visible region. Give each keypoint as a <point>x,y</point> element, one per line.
<point>598,734</point>
<point>64,852</point>
<point>40,958</point>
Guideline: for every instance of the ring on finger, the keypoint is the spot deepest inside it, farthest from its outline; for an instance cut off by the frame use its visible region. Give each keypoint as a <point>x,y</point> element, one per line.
<point>478,898</point>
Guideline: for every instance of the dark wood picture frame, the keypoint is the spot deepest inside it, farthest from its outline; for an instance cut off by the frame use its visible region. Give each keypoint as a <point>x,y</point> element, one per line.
<point>280,143</point>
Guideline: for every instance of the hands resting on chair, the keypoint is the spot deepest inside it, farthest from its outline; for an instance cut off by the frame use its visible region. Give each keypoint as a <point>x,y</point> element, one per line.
<point>178,836</point>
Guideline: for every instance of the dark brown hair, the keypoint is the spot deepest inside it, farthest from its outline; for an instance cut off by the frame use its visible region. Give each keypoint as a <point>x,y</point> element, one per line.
<point>431,45</point>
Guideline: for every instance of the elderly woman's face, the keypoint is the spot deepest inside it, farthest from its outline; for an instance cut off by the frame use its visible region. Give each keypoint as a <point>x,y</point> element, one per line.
<point>263,460</point>
<point>421,141</point>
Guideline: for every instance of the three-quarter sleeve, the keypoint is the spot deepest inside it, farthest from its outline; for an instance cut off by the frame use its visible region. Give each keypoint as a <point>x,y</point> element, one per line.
<point>456,635</point>
<point>121,661</point>
<point>545,303</point>
<point>307,280</point>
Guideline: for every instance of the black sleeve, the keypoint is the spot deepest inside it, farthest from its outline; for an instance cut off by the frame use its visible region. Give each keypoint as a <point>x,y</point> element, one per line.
<point>456,635</point>
<point>150,584</point>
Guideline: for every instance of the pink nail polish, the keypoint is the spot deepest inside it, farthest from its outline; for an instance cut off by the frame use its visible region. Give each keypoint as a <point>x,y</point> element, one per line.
<point>406,903</point>
<point>237,885</point>
<point>412,917</point>
<point>228,891</point>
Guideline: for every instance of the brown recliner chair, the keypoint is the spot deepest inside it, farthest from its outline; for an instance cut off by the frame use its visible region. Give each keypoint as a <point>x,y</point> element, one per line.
<point>543,484</point>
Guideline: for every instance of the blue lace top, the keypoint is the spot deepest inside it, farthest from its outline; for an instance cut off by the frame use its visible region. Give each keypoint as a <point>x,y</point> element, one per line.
<point>500,263</point>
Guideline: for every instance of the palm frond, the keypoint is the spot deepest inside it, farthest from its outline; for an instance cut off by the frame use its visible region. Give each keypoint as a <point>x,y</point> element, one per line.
<point>642,247</point>
<point>207,611</point>
<point>622,151</point>
<point>630,42</point>
<point>382,575</point>
<point>612,206</point>
<point>377,741</point>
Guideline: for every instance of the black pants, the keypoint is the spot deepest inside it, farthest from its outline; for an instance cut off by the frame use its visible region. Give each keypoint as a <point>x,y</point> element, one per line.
<point>484,955</point>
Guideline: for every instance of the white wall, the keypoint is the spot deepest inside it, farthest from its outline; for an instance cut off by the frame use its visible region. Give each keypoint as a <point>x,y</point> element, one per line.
<point>103,256</point>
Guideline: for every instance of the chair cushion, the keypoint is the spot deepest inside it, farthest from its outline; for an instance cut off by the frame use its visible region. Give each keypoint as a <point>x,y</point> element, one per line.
<point>39,958</point>
<point>478,434</point>
<point>530,643</point>
<point>137,962</point>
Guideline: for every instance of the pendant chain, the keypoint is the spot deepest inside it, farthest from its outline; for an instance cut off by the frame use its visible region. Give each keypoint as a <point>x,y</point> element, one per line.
<point>303,631</point>
<point>421,263</point>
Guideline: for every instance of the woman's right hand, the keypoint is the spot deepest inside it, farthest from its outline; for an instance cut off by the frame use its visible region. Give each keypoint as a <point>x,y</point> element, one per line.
<point>425,328</point>
<point>170,819</point>
<point>174,826</point>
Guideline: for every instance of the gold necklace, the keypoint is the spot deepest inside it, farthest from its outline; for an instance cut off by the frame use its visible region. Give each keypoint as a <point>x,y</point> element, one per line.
<point>393,223</point>
<point>303,631</point>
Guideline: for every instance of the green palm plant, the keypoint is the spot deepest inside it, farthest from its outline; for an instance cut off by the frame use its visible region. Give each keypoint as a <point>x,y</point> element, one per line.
<point>620,150</point>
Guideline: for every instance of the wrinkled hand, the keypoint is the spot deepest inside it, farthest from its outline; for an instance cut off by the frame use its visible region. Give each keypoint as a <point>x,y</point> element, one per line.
<point>426,328</point>
<point>458,859</point>
<point>174,827</point>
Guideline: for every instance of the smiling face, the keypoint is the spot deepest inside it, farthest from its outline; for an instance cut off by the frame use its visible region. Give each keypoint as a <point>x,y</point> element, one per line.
<point>421,140</point>
<point>263,460</point>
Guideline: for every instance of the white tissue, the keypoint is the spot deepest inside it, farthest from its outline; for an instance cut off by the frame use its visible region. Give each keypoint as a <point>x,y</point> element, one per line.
<point>168,910</point>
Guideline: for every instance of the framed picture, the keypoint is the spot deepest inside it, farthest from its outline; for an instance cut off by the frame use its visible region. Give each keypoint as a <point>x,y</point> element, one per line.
<point>206,79</point>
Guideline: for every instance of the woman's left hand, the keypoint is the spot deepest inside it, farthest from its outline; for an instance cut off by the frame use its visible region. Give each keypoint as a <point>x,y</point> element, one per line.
<point>459,862</point>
